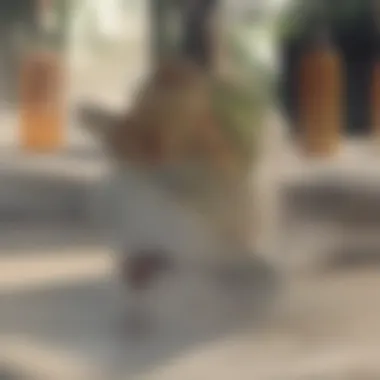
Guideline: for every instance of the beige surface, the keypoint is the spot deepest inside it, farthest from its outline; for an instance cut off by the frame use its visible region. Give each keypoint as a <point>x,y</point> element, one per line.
<point>326,325</point>
<point>328,328</point>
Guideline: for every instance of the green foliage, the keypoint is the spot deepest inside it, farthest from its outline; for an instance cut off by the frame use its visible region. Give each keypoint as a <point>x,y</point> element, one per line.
<point>299,17</point>
<point>239,113</point>
<point>242,98</point>
<point>249,69</point>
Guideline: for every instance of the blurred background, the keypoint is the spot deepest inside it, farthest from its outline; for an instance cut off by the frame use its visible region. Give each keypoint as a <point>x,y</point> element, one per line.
<point>56,287</point>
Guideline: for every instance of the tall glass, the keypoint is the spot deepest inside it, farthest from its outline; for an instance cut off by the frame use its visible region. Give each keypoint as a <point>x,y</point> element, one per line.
<point>42,82</point>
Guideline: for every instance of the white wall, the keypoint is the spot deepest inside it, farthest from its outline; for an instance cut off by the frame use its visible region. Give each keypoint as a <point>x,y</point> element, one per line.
<point>113,22</point>
<point>107,74</point>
